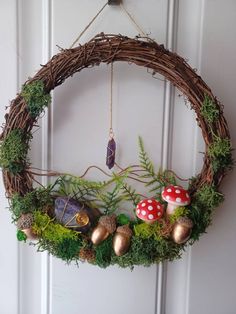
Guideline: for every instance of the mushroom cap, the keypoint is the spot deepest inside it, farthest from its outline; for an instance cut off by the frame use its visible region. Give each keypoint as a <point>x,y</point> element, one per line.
<point>185,222</point>
<point>125,229</point>
<point>25,221</point>
<point>108,222</point>
<point>149,210</point>
<point>176,195</point>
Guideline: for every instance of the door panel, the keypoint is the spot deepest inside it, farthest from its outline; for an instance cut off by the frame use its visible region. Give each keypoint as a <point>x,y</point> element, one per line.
<point>74,134</point>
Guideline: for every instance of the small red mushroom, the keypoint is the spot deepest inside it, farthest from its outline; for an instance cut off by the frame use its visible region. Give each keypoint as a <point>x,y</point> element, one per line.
<point>149,210</point>
<point>175,196</point>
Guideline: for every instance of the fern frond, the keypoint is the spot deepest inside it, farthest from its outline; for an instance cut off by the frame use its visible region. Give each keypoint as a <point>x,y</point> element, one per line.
<point>110,200</point>
<point>130,194</point>
<point>72,185</point>
<point>145,162</point>
<point>156,181</point>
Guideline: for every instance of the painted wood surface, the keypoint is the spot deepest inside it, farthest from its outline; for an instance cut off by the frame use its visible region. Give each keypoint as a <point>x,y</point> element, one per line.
<point>204,33</point>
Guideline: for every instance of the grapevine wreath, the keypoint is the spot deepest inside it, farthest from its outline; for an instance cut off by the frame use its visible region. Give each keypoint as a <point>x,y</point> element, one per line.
<point>80,220</point>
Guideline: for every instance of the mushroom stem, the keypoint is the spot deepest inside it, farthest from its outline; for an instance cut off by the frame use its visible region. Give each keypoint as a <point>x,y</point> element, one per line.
<point>171,208</point>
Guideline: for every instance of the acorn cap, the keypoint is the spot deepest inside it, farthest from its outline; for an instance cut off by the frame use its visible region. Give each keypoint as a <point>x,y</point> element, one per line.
<point>108,222</point>
<point>25,221</point>
<point>185,221</point>
<point>125,230</point>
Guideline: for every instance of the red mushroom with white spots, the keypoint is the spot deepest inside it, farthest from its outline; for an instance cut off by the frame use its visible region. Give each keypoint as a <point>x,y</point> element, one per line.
<point>175,196</point>
<point>149,210</point>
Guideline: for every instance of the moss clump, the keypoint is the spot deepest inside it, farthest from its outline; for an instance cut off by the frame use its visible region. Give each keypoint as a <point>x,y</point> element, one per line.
<point>141,252</point>
<point>21,236</point>
<point>103,253</point>
<point>21,205</point>
<point>209,110</point>
<point>148,251</point>
<point>122,219</point>
<point>204,202</point>
<point>58,240</point>
<point>220,152</point>
<point>68,249</point>
<point>35,97</point>
<point>144,230</point>
<point>179,212</point>
<point>208,197</point>
<point>37,200</point>
<point>13,151</point>
<point>46,228</point>
<point>158,230</point>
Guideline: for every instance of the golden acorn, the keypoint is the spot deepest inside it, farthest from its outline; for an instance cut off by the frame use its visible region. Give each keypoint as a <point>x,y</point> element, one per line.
<point>182,230</point>
<point>24,223</point>
<point>121,240</point>
<point>106,226</point>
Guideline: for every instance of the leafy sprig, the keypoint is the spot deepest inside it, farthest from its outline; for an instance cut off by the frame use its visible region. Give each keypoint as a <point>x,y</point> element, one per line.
<point>110,200</point>
<point>155,181</point>
<point>130,194</point>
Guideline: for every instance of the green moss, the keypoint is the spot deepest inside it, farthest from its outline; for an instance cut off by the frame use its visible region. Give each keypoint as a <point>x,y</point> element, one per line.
<point>148,251</point>
<point>21,236</point>
<point>103,253</point>
<point>35,97</point>
<point>209,110</point>
<point>220,152</point>
<point>122,219</point>
<point>68,249</point>
<point>21,205</point>
<point>36,200</point>
<point>201,218</point>
<point>13,151</point>
<point>46,228</point>
<point>58,240</point>
<point>179,212</point>
<point>206,199</point>
<point>144,230</point>
<point>141,252</point>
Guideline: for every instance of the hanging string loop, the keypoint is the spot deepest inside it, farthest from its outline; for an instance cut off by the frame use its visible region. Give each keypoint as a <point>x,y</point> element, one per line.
<point>124,10</point>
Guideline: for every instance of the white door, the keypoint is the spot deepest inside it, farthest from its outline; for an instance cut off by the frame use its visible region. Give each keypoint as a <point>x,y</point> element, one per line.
<point>74,134</point>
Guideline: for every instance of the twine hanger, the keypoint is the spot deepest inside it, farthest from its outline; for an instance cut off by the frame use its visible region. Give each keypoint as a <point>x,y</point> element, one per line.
<point>124,10</point>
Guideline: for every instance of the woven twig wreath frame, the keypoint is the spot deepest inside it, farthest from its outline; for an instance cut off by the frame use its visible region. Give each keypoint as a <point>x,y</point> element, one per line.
<point>146,53</point>
<point>111,48</point>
